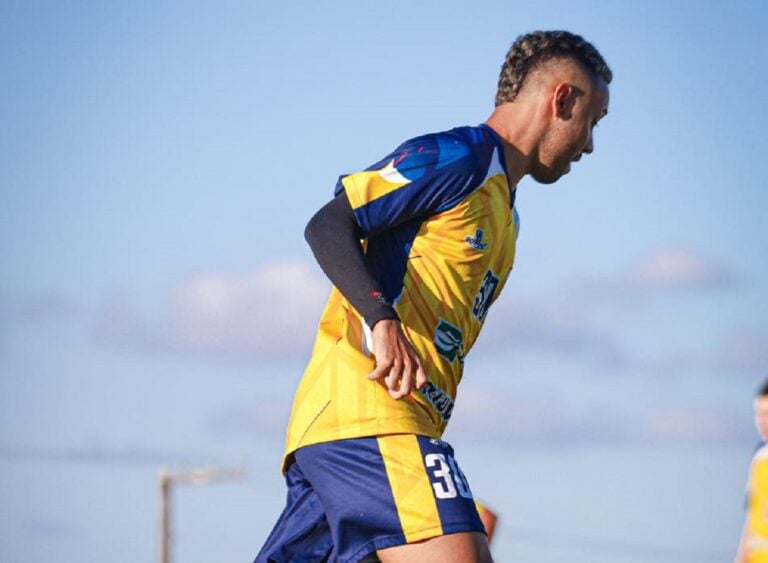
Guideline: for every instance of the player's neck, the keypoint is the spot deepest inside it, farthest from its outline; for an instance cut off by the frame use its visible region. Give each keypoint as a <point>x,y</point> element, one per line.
<point>516,125</point>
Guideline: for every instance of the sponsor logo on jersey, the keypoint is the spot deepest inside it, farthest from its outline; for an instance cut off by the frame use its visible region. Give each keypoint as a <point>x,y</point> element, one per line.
<point>449,341</point>
<point>484,297</point>
<point>439,399</point>
<point>476,241</point>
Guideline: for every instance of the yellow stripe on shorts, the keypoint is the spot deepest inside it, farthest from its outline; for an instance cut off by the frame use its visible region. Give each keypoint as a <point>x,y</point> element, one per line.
<point>411,488</point>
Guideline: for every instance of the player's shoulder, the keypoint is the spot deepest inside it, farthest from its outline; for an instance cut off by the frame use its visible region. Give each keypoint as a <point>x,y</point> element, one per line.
<point>459,140</point>
<point>460,144</point>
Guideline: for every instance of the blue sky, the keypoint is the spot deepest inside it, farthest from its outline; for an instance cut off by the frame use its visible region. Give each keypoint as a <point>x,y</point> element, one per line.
<point>157,301</point>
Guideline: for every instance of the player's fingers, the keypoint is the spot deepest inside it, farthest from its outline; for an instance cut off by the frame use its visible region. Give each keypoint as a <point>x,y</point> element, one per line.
<point>379,371</point>
<point>406,382</point>
<point>421,377</point>
<point>395,372</point>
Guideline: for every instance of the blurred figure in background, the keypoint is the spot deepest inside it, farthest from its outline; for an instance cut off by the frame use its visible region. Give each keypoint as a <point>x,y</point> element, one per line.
<point>753,547</point>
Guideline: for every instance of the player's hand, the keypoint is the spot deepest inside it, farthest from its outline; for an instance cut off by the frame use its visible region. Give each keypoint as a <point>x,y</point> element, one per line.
<point>396,359</point>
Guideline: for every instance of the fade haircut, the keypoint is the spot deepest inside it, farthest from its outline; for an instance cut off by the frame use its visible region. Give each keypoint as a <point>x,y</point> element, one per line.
<point>533,49</point>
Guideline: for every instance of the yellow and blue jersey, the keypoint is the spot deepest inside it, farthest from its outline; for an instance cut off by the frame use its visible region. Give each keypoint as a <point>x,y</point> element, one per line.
<point>439,226</point>
<point>757,508</point>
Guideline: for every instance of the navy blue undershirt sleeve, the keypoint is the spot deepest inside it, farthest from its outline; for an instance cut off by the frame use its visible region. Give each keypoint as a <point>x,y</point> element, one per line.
<point>334,237</point>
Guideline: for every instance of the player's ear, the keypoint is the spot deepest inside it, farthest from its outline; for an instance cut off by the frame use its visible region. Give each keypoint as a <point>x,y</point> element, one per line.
<point>563,98</point>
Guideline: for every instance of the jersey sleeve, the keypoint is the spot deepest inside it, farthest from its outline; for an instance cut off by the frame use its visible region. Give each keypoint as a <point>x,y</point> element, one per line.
<point>422,177</point>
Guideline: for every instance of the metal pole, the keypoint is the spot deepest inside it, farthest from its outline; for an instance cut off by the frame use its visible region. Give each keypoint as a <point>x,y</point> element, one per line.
<point>200,476</point>
<point>165,517</point>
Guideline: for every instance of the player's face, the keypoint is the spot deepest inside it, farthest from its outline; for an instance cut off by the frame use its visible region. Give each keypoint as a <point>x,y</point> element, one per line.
<point>570,135</point>
<point>761,416</point>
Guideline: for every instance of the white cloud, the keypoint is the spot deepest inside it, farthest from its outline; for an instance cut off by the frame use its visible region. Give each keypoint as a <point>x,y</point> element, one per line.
<point>270,313</point>
<point>677,268</point>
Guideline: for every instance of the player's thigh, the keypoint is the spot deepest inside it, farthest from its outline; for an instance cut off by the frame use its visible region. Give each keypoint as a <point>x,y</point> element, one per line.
<point>464,547</point>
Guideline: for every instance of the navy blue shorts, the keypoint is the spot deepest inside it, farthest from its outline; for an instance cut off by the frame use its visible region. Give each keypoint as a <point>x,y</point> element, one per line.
<point>348,498</point>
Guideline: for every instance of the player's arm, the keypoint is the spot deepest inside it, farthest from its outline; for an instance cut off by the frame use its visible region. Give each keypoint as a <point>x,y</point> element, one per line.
<point>334,237</point>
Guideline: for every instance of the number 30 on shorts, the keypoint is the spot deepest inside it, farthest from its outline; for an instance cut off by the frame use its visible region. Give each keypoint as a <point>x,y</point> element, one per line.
<point>446,472</point>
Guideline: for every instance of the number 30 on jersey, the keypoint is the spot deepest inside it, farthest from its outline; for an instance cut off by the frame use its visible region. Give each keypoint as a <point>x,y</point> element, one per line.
<point>446,476</point>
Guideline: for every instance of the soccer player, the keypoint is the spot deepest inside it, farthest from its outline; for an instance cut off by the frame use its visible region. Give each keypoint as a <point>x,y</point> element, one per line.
<point>754,538</point>
<point>367,472</point>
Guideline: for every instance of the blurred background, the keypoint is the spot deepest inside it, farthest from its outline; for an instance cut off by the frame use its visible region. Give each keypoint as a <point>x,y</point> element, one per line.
<point>158,163</point>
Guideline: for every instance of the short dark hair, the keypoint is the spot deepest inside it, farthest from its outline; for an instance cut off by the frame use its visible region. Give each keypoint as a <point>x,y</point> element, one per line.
<point>532,49</point>
<point>762,391</point>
